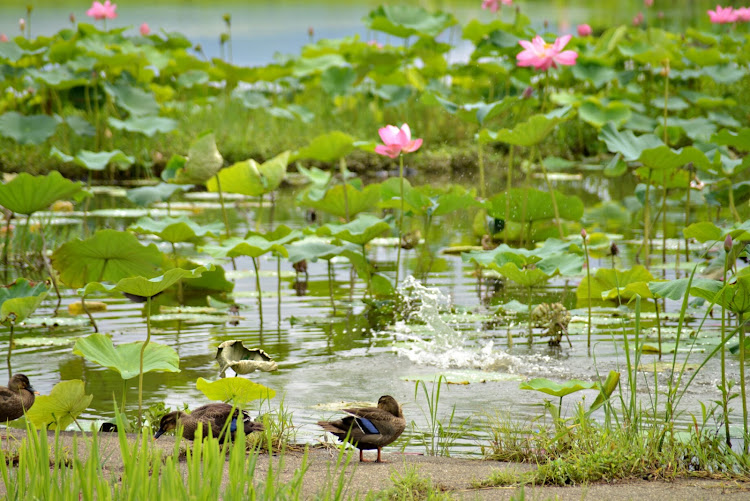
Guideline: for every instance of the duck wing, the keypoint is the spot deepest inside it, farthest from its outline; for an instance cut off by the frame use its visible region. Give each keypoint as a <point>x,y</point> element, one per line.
<point>388,426</point>
<point>11,406</point>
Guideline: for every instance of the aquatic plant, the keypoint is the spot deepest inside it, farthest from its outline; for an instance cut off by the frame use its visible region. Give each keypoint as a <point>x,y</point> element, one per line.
<point>17,302</point>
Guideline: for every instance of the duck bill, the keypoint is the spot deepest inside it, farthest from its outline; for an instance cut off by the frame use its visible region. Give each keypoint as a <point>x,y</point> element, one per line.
<point>158,433</point>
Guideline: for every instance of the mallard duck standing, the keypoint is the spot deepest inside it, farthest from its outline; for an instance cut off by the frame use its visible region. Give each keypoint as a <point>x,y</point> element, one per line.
<point>213,415</point>
<point>16,398</point>
<point>369,427</point>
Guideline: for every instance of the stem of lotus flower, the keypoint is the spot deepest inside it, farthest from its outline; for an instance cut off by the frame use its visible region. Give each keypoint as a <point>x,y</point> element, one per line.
<point>330,286</point>
<point>140,366</point>
<point>223,208</point>
<point>508,186</point>
<point>10,350</point>
<point>732,207</point>
<point>724,389</point>
<point>7,245</point>
<point>546,91</point>
<point>342,168</point>
<point>257,288</point>
<point>400,216</point>
<point>647,222</point>
<point>664,180</point>
<point>530,333</point>
<point>687,213</point>
<point>588,284</point>
<point>551,193</point>
<point>481,170</point>
<point>745,440</point>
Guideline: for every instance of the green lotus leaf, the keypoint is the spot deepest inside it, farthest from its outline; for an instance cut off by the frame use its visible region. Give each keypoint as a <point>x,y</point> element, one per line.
<point>595,73</point>
<point>60,77</point>
<point>735,296</point>
<point>555,389</point>
<point>211,280</point>
<point>597,114</point>
<point>312,249</point>
<point>251,178</point>
<point>19,300</point>
<point>147,195</point>
<point>145,287</point>
<point>739,139</point>
<point>533,131</point>
<point>406,20</point>
<point>337,80</point>
<point>704,231</point>
<point>125,358</point>
<point>192,78</point>
<point>108,255</point>
<point>327,148</point>
<point>32,129</point>
<point>538,205</point>
<point>99,160</point>
<point>251,99</point>
<point>333,202</point>
<point>626,143</point>
<point>133,99</point>
<point>61,407</point>
<point>676,289</point>
<point>176,229</point>
<point>202,163</point>
<point>359,231</point>
<point>239,391</point>
<point>426,200</point>
<point>26,194</point>
<point>80,125</point>
<point>253,246</point>
<point>664,157</point>
<point>609,284</point>
<point>526,277</point>
<point>305,66</point>
<point>146,125</point>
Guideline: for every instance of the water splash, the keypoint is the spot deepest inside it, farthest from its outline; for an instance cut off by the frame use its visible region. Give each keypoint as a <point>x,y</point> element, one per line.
<point>426,338</point>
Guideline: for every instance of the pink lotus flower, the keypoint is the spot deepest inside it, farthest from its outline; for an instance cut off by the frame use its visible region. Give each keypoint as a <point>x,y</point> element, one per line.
<point>397,141</point>
<point>743,14</point>
<point>638,19</point>
<point>584,30</point>
<point>722,15</point>
<point>3,37</point>
<point>145,30</point>
<point>494,5</point>
<point>543,56</point>
<point>101,11</point>
<point>648,3</point>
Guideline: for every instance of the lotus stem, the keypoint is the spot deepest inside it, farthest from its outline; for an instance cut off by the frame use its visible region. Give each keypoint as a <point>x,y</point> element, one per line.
<point>664,226</point>
<point>724,390</point>
<point>259,217</point>
<point>330,286</point>
<point>6,247</point>
<point>588,284</point>
<point>480,157</point>
<point>10,350</point>
<point>552,194</point>
<point>278,288</point>
<point>140,366</point>
<point>257,288</point>
<point>732,207</point>
<point>88,313</point>
<point>687,216</point>
<point>647,223</point>
<point>47,265</point>
<point>658,324</point>
<point>400,220</point>
<point>530,334</point>
<point>342,168</point>
<point>508,186</point>
<point>369,278</point>
<point>223,208</point>
<point>745,443</point>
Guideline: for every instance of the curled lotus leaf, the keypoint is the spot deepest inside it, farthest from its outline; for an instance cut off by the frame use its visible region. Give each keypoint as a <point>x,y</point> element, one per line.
<point>62,406</point>
<point>203,162</point>
<point>234,355</point>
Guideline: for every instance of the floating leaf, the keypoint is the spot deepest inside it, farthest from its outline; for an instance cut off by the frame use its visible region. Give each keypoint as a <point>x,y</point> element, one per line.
<point>233,355</point>
<point>125,358</point>
<point>360,231</point>
<point>238,390</point>
<point>144,287</point>
<point>65,403</point>
<point>176,229</point>
<point>549,387</point>
<point>147,195</point>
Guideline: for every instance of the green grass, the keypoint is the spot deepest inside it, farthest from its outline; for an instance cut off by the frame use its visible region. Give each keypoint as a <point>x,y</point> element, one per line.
<point>411,486</point>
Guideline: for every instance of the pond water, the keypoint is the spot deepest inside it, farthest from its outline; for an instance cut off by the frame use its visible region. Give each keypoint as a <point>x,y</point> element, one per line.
<point>326,359</point>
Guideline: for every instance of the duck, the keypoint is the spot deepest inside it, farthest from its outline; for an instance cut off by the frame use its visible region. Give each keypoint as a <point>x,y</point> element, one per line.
<point>213,415</point>
<point>16,398</point>
<point>369,428</point>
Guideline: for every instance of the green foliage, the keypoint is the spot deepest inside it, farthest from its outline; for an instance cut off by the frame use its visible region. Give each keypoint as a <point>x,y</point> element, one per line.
<point>65,403</point>
<point>33,129</point>
<point>176,229</point>
<point>125,358</point>
<point>202,163</point>
<point>26,194</point>
<point>359,231</point>
<point>251,178</point>
<point>19,300</point>
<point>239,391</point>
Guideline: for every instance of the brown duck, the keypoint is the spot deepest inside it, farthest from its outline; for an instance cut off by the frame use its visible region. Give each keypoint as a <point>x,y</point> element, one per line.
<point>16,398</point>
<point>369,427</point>
<point>213,415</point>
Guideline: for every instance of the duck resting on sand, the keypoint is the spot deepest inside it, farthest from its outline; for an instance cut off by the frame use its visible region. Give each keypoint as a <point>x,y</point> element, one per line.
<point>213,415</point>
<point>16,398</point>
<point>369,427</point>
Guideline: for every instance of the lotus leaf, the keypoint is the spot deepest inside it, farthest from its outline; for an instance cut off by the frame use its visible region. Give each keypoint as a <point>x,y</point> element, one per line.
<point>146,125</point>
<point>80,125</point>
<point>538,205</point>
<point>19,300</point>
<point>735,296</point>
<point>739,139</point>
<point>33,129</point>
<point>626,143</point>
<point>26,194</point>
<point>598,114</point>
<point>534,130</point>
<point>337,80</point>
<point>145,287</point>
<point>549,387</point>
<point>253,246</point>
<point>426,200</point>
<point>109,255</point>
<point>125,358</point>
<point>609,284</point>
<point>251,178</point>
<point>704,231</point>
<point>328,147</point>
<point>176,229</point>
<point>147,195</point>
<point>237,390</point>
<point>233,355</point>
<point>359,231</point>
<point>134,100</point>
<point>202,163</point>
<point>312,249</point>
<point>406,20</point>
<point>99,160</point>
<point>61,407</point>
<point>333,201</point>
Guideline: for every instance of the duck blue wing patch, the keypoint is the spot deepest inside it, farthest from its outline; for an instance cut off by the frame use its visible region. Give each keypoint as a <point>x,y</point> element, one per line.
<point>233,425</point>
<point>367,426</point>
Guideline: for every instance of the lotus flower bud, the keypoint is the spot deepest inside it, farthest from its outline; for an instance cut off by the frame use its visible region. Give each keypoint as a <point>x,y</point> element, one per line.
<point>72,18</point>
<point>3,37</point>
<point>528,91</point>
<point>728,243</point>
<point>145,30</point>
<point>584,235</point>
<point>310,31</point>
<point>227,19</point>
<point>648,3</point>
<point>584,30</point>
<point>22,25</point>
